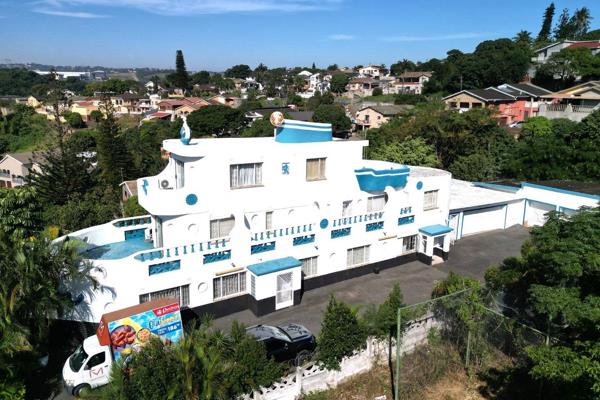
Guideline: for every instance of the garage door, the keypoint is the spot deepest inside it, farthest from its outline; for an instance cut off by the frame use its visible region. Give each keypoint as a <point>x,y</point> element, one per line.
<point>482,220</point>
<point>535,213</point>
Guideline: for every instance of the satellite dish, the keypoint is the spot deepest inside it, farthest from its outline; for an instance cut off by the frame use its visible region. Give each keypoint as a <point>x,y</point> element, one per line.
<point>185,133</point>
<point>276,118</point>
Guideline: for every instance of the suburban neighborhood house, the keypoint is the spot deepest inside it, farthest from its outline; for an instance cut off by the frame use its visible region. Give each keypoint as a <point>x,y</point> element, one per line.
<point>542,55</point>
<point>375,116</point>
<point>361,87</point>
<point>14,167</point>
<point>411,82</point>
<point>374,71</point>
<point>574,103</point>
<point>514,102</point>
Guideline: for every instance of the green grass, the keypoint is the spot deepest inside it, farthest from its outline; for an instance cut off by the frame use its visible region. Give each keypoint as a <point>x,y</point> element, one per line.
<point>384,98</point>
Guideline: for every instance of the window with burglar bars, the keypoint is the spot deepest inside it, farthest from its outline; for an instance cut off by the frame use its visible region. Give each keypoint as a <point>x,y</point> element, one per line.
<point>221,227</point>
<point>245,175</point>
<point>228,285</point>
<point>357,256</point>
<point>430,200</point>
<point>309,266</point>
<point>315,169</point>
<point>181,293</point>
<point>409,244</point>
<point>376,203</point>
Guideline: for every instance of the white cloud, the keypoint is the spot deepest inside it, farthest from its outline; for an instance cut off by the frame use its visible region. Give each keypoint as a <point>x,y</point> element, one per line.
<point>70,14</point>
<point>452,36</point>
<point>341,36</point>
<point>195,7</point>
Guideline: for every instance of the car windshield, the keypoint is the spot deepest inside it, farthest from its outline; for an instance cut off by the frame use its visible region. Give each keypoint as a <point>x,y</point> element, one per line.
<point>77,359</point>
<point>282,334</point>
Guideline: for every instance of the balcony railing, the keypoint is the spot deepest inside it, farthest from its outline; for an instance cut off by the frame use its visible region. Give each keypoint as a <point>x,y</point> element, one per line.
<point>207,247</point>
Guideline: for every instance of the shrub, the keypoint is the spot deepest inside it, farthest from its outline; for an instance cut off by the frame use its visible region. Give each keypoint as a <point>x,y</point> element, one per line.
<point>377,92</point>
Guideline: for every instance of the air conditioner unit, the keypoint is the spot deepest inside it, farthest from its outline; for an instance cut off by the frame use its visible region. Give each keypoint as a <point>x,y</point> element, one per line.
<point>165,184</point>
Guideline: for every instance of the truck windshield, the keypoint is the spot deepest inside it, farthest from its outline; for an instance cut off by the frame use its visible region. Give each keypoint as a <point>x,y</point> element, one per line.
<point>77,359</point>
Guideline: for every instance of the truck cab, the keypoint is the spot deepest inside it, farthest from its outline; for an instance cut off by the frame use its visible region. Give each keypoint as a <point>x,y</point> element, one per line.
<point>88,367</point>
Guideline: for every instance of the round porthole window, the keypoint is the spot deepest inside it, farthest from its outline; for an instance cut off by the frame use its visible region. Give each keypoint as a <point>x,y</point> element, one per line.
<point>419,185</point>
<point>191,199</point>
<point>202,287</point>
<point>324,223</point>
<point>193,228</point>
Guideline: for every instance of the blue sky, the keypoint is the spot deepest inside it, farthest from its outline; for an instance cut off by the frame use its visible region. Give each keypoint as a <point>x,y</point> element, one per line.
<point>215,34</point>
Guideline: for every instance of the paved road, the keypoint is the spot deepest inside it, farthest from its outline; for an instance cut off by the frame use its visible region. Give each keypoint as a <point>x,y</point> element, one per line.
<point>470,256</point>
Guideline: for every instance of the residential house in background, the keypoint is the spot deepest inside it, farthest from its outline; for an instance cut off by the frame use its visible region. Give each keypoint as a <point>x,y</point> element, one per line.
<point>514,102</point>
<point>411,82</point>
<point>375,116</point>
<point>223,100</point>
<point>574,103</point>
<point>542,55</point>
<point>14,168</point>
<point>361,87</point>
<point>374,71</point>
<point>128,189</point>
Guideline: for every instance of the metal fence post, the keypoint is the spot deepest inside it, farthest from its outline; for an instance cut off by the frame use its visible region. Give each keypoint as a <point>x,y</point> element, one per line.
<point>398,337</point>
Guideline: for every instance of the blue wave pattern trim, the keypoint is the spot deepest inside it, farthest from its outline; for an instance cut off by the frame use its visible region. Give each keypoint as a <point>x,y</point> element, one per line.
<point>340,233</point>
<point>261,248</point>
<point>164,267</point>
<point>214,257</point>
<point>371,180</point>
<point>374,226</point>
<point>300,240</point>
<point>406,220</point>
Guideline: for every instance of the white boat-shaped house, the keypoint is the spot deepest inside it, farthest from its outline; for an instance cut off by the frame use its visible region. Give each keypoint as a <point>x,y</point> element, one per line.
<point>240,223</point>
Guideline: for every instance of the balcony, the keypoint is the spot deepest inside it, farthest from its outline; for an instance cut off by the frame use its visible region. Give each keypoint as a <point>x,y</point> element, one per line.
<point>569,111</point>
<point>376,180</point>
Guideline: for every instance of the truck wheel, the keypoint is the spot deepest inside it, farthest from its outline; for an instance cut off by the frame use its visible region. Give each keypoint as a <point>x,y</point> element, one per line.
<point>78,389</point>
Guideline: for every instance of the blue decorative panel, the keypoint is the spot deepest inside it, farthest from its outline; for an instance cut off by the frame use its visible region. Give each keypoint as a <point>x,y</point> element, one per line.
<point>406,220</point>
<point>261,248</point>
<point>419,185</point>
<point>304,240</point>
<point>371,180</point>
<point>132,222</point>
<point>303,132</point>
<point>214,257</point>
<point>374,226</point>
<point>164,267</point>
<point>340,233</point>
<point>324,223</point>
<point>134,234</point>
<point>191,199</point>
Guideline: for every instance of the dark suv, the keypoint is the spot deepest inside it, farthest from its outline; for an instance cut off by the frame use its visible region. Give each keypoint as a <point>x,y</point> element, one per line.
<point>286,342</point>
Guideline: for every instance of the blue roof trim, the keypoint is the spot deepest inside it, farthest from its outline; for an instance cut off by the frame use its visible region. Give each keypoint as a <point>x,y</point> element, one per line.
<point>563,191</point>
<point>371,180</point>
<point>268,267</point>
<point>496,186</point>
<point>435,230</point>
<point>305,132</point>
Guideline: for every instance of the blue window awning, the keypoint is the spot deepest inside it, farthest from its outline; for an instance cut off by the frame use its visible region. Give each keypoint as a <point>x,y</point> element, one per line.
<point>435,230</point>
<point>268,267</point>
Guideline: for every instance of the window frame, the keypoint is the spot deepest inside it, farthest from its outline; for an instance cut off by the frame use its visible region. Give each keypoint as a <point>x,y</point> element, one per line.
<point>370,202</point>
<point>431,205</point>
<point>322,169</point>
<point>314,265</point>
<point>366,256</point>
<point>257,166</point>
<point>220,232</point>
<point>183,296</point>
<point>240,282</point>
<point>412,241</point>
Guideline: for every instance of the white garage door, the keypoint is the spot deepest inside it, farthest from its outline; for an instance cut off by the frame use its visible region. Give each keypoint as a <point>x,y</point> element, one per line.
<point>535,213</point>
<point>485,219</point>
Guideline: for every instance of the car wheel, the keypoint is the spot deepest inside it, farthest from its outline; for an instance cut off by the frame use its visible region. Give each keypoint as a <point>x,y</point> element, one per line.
<point>79,389</point>
<point>302,357</point>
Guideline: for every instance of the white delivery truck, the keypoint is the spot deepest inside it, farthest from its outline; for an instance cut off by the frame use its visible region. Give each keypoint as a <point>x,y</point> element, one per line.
<point>120,333</point>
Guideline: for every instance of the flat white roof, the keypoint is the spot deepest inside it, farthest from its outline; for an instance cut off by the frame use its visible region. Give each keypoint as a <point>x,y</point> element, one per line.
<point>464,194</point>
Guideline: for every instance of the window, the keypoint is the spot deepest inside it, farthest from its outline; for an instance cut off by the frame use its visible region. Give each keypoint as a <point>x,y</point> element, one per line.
<point>464,105</point>
<point>376,203</point>
<point>477,105</point>
<point>452,104</point>
<point>309,266</point>
<point>315,169</point>
<point>269,220</point>
<point>409,244</point>
<point>357,256</point>
<point>245,175</point>
<point>229,285</point>
<point>96,360</point>
<point>181,293</point>
<point>347,208</point>
<point>221,227</point>
<point>430,200</point>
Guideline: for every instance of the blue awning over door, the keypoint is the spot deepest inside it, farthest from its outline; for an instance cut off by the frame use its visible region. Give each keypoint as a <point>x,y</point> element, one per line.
<point>435,230</point>
<point>268,267</point>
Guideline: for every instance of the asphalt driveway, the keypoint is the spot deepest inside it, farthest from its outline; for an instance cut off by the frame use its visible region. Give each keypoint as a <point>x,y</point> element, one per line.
<point>470,256</point>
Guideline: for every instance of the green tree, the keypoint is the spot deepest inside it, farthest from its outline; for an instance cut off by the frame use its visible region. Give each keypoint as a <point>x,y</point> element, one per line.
<point>97,206</point>
<point>332,67</point>
<point>543,36</point>
<point>377,92</point>
<point>132,207</point>
<point>96,116</point>
<point>333,114</point>
<point>200,78</point>
<point>339,82</point>
<point>180,78</point>
<point>400,67</point>
<point>74,120</point>
<point>216,120</point>
<point>113,158</point>
<point>21,212</point>
<point>475,167</point>
<point>554,285</point>
<point>410,151</point>
<point>341,334</point>
<point>524,39</point>
<point>241,71</point>
<point>260,128</point>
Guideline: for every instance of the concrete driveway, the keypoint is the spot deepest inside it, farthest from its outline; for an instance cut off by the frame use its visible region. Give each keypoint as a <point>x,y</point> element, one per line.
<point>470,256</point>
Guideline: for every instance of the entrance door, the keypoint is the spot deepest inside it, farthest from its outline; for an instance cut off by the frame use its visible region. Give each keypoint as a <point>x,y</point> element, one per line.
<point>285,291</point>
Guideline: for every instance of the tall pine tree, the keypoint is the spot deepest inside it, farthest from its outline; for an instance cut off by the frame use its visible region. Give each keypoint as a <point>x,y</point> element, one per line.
<point>181,77</point>
<point>114,160</point>
<point>544,35</point>
<point>564,26</point>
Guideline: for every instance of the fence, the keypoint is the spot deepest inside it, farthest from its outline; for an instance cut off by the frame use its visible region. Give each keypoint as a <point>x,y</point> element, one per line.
<point>312,377</point>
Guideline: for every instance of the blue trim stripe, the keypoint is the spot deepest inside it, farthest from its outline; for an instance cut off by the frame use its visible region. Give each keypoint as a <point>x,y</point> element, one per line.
<point>496,186</point>
<point>268,267</point>
<point>563,191</point>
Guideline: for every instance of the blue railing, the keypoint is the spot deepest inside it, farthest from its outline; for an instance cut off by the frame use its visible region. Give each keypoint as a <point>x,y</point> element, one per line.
<point>164,267</point>
<point>406,220</point>
<point>300,240</point>
<point>337,233</point>
<point>374,226</point>
<point>182,250</point>
<point>370,217</point>
<point>261,248</point>
<point>219,256</point>
<point>122,223</point>
<point>274,233</point>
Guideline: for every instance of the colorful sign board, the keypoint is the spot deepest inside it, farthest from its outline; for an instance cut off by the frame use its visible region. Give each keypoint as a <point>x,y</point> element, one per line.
<point>131,333</point>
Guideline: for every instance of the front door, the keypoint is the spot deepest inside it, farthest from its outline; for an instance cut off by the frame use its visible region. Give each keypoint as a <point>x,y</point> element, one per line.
<point>285,291</point>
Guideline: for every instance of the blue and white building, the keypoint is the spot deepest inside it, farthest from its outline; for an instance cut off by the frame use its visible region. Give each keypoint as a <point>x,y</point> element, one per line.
<point>240,223</point>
